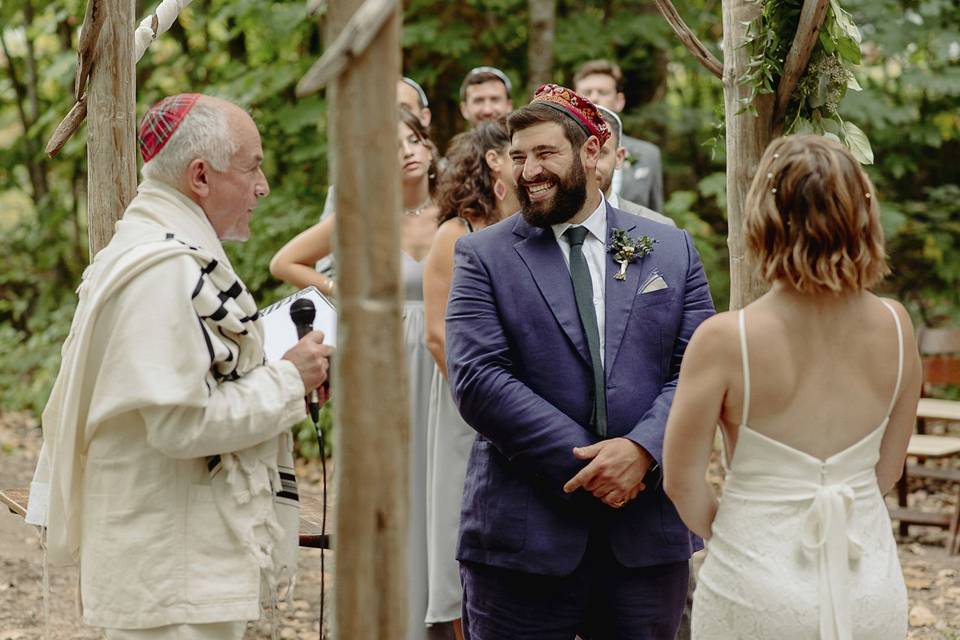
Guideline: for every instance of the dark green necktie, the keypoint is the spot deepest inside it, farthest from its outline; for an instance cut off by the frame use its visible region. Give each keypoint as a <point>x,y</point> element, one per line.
<point>583,292</point>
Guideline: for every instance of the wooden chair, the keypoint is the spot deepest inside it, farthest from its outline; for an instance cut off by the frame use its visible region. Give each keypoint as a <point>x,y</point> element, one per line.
<point>940,353</point>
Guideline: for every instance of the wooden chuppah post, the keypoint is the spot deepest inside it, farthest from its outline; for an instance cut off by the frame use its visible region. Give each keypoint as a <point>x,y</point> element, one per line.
<point>372,450</point>
<point>111,126</point>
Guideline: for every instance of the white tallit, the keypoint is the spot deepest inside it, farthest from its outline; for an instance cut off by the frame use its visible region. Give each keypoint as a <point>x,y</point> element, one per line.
<point>161,224</point>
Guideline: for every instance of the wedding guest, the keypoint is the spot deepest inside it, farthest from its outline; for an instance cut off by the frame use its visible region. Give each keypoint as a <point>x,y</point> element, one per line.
<point>418,226</point>
<point>815,388</point>
<point>476,190</point>
<point>412,97</point>
<point>485,95</point>
<point>611,159</point>
<point>640,179</point>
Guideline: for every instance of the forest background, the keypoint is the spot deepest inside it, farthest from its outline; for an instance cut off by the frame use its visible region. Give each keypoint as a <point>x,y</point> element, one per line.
<point>254,51</point>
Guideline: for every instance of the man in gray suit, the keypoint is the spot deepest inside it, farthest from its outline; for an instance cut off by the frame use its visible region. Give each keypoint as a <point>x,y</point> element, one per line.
<point>611,159</point>
<point>640,180</point>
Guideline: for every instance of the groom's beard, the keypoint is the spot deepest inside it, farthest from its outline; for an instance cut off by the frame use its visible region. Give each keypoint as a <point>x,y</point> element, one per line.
<point>571,193</point>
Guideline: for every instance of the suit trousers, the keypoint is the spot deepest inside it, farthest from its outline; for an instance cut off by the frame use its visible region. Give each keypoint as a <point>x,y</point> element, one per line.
<point>213,631</point>
<point>600,600</point>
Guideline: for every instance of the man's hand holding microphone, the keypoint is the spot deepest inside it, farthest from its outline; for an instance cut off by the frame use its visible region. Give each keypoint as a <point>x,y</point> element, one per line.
<point>310,356</point>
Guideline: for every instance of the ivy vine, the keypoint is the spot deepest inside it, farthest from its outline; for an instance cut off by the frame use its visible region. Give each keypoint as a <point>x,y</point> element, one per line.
<point>814,105</point>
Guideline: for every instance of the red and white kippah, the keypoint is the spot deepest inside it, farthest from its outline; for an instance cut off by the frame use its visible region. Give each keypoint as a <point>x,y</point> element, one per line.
<point>572,104</point>
<point>161,120</point>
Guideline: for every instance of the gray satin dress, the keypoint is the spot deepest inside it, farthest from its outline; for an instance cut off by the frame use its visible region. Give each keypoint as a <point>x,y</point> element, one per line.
<point>420,368</point>
<point>449,439</point>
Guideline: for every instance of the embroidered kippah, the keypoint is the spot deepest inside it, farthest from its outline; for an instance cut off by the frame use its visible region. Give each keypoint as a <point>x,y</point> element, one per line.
<point>161,120</point>
<point>584,112</point>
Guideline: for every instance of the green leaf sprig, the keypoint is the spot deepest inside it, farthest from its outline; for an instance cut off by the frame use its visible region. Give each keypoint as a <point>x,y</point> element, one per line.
<point>626,249</point>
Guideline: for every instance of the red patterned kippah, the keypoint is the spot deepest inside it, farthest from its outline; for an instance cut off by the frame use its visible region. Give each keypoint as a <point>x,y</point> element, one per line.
<point>161,121</point>
<point>576,106</point>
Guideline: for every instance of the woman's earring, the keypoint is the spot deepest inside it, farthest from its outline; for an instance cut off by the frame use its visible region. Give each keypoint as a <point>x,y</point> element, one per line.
<point>499,189</point>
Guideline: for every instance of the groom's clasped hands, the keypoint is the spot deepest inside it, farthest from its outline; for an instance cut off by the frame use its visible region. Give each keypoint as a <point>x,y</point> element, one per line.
<point>615,472</point>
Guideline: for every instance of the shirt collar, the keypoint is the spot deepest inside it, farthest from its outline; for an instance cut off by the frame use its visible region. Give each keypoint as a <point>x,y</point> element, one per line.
<point>596,223</point>
<point>614,200</point>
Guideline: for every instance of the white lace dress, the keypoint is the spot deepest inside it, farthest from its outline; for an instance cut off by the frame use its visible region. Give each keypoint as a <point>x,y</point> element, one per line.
<point>801,548</point>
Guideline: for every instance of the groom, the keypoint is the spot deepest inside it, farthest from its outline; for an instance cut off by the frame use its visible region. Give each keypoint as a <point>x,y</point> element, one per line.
<point>567,374</point>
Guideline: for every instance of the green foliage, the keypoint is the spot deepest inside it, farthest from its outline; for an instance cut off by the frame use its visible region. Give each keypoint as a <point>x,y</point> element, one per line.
<point>815,104</point>
<point>306,443</point>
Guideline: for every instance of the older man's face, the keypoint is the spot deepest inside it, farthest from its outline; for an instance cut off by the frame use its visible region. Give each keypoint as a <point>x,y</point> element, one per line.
<point>233,193</point>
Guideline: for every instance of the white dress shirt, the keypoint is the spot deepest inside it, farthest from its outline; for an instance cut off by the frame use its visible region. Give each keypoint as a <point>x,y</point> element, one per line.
<point>595,252</point>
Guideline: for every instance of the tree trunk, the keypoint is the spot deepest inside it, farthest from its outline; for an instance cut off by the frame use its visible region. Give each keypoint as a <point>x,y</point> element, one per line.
<point>111,125</point>
<point>747,137</point>
<point>543,19</point>
<point>370,385</point>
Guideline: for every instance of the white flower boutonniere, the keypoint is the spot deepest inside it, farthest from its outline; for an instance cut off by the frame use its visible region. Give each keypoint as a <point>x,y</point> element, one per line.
<point>626,249</point>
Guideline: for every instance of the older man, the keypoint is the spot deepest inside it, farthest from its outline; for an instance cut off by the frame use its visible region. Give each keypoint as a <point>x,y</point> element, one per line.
<point>485,95</point>
<point>167,437</point>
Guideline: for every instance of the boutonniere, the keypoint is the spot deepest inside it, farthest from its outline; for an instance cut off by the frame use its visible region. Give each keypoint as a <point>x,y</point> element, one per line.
<point>626,249</point>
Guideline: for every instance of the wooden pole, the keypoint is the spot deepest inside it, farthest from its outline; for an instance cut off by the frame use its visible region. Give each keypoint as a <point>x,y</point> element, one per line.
<point>543,21</point>
<point>111,126</point>
<point>370,387</point>
<point>747,137</point>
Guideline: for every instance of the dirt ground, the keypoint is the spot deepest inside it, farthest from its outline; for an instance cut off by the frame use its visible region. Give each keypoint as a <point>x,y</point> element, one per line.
<point>932,577</point>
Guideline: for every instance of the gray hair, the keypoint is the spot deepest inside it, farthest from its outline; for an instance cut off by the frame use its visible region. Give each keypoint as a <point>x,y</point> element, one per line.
<point>204,133</point>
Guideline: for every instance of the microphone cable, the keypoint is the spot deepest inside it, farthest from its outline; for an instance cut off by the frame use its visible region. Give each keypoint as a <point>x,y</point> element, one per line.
<point>323,524</point>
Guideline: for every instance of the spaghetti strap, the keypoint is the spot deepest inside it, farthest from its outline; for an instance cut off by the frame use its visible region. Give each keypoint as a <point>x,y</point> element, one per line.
<point>746,369</point>
<point>896,319</point>
<point>467,223</point>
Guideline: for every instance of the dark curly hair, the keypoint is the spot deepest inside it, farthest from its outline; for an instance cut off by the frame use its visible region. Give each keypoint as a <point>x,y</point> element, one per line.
<point>465,188</point>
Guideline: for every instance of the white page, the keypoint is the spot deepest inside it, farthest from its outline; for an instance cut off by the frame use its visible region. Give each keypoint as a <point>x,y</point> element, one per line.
<point>279,331</point>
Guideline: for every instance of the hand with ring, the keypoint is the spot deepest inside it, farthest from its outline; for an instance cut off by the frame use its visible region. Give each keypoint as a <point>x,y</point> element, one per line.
<point>616,504</point>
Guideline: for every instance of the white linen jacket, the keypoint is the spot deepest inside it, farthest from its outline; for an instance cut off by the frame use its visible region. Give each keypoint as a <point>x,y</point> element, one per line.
<point>132,419</point>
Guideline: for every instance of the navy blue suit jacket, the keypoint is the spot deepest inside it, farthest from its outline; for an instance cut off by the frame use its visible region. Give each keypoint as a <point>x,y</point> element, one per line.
<point>520,373</point>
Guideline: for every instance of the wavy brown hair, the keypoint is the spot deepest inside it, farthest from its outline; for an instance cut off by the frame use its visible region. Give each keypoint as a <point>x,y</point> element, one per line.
<point>466,187</point>
<point>812,218</point>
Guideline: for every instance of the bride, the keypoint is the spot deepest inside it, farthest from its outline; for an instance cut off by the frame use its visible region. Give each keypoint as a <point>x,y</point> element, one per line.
<point>815,388</point>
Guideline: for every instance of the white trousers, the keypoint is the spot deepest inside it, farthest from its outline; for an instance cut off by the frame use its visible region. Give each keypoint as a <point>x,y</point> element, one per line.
<point>214,631</point>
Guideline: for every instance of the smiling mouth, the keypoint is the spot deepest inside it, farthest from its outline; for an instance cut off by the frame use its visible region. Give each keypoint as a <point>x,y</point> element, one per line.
<point>539,190</point>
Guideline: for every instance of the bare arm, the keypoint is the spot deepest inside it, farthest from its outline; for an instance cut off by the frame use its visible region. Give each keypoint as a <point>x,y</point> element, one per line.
<point>294,263</point>
<point>893,449</point>
<point>437,276</point>
<point>693,419</point>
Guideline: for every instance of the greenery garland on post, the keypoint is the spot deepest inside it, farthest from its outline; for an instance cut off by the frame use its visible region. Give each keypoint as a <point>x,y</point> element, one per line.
<point>814,103</point>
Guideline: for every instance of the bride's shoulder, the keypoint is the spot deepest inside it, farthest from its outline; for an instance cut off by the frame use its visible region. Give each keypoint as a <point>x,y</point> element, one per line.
<point>717,333</point>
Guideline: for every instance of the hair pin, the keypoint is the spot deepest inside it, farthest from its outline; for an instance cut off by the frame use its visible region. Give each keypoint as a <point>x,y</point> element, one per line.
<point>774,190</point>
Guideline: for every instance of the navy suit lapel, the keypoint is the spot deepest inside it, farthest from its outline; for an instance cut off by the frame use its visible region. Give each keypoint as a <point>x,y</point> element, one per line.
<point>541,253</point>
<point>619,295</point>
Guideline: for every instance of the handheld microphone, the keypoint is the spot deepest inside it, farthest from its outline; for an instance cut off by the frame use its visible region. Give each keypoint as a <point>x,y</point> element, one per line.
<point>302,313</point>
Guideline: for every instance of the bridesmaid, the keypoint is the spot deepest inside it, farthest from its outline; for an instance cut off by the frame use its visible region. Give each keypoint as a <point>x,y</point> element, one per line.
<point>475,191</point>
<point>294,263</point>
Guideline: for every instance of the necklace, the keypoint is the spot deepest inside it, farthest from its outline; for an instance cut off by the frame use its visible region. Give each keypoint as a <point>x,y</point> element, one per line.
<point>416,211</point>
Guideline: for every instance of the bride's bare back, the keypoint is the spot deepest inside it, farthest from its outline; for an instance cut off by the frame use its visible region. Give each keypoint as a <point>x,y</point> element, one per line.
<point>824,369</point>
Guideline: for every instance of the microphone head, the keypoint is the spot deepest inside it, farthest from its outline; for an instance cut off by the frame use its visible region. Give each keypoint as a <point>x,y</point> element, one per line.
<point>302,312</point>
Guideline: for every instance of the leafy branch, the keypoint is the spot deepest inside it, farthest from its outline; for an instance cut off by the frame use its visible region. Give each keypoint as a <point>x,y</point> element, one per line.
<point>813,106</point>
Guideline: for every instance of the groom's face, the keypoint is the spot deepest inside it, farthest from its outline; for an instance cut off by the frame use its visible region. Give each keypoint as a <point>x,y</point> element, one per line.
<point>551,181</point>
